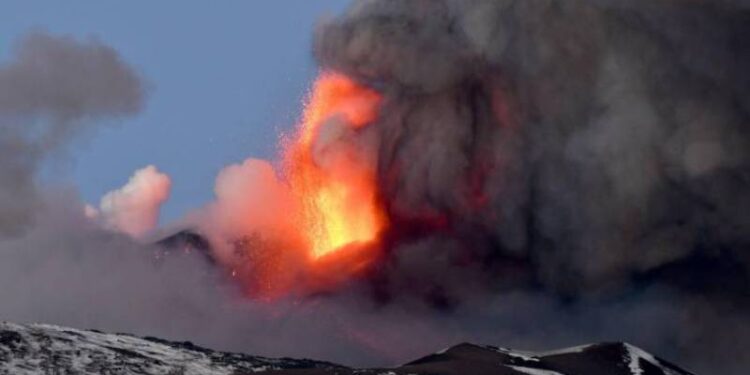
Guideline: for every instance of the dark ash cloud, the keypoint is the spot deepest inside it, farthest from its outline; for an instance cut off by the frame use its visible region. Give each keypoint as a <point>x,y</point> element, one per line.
<point>596,151</point>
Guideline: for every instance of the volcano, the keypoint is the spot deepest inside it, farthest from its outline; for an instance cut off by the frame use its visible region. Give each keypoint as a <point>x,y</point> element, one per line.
<point>48,349</point>
<point>532,172</point>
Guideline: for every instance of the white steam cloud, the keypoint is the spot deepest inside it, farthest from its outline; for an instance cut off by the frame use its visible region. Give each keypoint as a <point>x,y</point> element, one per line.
<point>134,208</point>
<point>249,197</point>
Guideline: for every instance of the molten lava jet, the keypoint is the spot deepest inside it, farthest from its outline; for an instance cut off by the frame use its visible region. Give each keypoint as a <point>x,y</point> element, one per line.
<point>332,177</point>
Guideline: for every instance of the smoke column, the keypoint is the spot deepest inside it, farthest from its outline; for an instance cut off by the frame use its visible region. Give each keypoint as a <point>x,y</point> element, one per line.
<point>591,141</point>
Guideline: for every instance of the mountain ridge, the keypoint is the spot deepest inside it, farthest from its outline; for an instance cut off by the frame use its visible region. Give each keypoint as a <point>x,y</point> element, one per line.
<point>32,349</point>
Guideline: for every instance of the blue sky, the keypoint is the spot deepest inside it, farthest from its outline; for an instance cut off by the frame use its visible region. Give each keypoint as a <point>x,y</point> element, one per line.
<point>226,78</point>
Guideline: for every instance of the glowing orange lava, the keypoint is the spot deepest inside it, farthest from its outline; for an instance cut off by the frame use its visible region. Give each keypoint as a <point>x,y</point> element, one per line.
<point>329,171</point>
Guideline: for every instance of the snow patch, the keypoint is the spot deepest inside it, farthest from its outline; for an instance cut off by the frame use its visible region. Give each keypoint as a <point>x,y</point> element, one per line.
<point>533,371</point>
<point>41,348</point>
<point>571,350</point>
<point>635,355</point>
<point>443,351</point>
<point>522,355</point>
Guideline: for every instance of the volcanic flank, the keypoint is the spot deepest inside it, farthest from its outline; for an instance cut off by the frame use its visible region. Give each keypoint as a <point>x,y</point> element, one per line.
<point>535,173</point>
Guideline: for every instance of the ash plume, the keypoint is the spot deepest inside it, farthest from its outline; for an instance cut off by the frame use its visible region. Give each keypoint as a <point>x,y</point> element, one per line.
<point>52,90</point>
<point>595,151</point>
<point>553,173</point>
<point>596,141</point>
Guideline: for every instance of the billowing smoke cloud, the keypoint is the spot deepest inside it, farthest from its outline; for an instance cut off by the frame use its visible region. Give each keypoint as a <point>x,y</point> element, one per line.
<point>596,141</point>
<point>134,208</point>
<point>590,149</point>
<point>53,89</point>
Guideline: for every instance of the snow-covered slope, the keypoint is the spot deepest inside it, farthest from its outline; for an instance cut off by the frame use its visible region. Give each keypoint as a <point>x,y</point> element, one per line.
<point>47,349</point>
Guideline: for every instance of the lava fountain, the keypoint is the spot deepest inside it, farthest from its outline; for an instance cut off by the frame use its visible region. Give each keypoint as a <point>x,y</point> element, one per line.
<point>332,176</point>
